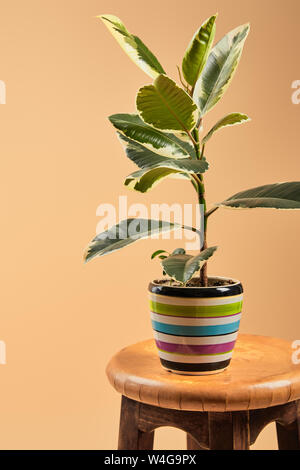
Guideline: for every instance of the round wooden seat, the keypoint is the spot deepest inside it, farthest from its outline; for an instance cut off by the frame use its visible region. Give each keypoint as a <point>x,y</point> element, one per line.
<point>261,375</point>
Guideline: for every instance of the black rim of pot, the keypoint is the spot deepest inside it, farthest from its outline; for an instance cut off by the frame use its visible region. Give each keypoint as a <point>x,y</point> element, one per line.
<point>213,291</point>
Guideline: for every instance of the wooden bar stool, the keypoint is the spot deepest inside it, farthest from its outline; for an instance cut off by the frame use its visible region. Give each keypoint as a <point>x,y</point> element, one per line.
<point>221,411</point>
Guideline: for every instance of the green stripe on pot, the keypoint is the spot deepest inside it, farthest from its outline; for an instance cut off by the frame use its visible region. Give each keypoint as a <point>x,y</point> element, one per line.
<point>196,311</point>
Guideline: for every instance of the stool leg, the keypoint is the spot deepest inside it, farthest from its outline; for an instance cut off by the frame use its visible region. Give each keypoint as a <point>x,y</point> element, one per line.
<point>130,437</point>
<point>229,431</point>
<point>241,430</point>
<point>192,444</point>
<point>288,436</point>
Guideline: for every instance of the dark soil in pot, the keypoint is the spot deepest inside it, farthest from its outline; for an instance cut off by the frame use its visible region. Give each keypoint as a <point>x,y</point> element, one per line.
<point>195,282</point>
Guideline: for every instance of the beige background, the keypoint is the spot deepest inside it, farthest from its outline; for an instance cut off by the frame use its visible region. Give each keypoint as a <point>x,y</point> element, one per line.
<point>62,320</point>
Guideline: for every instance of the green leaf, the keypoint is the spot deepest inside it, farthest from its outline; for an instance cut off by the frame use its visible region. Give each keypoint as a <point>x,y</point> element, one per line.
<point>219,69</point>
<point>158,252</point>
<point>163,143</point>
<point>124,233</point>
<point>276,196</point>
<point>133,46</point>
<point>229,120</point>
<point>166,106</point>
<point>179,251</point>
<point>145,180</point>
<point>146,159</point>
<point>197,51</point>
<point>182,267</point>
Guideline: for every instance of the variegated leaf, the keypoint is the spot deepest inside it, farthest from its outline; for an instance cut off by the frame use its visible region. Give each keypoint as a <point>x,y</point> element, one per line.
<point>145,180</point>
<point>197,51</point>
<point>219,69</point>
<point>145,158</point>
<point>275,196</point>
<point>126,232</point>
<point>166,106</point>
<point>133,46</point>
<point>229,120</point>
<point>182,267</point>
<point>163,143</point>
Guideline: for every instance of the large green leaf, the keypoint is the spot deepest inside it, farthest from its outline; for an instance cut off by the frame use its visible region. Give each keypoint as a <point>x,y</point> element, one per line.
<point>183,267</point>
<point>144,180</point>
<point>123,234</point>
<point>276,196</point>
<point>145,158</point>
<point>133,46</point>
<point>163,143</point>
<point>197,51</point>
<point>219,69</point>
<point>229,120</point>
<point>166,106</point>
<point>126,232</point>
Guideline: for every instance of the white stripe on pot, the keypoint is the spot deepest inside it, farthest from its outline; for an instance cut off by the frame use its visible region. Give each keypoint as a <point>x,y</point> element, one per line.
<point>184,321</point>
<point>163,299</point>
<point>194,359</point>
<point>191,340</point>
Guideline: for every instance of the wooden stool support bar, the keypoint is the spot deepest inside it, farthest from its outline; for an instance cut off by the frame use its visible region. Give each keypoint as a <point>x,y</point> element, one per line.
<point>208,430</point>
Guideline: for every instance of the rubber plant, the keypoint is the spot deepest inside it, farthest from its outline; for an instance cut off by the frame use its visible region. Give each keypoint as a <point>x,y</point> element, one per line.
<point>165,139</point>
<point>162,139</point>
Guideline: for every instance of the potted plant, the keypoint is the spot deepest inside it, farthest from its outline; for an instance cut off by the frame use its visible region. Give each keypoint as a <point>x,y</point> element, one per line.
<point>195,317</point>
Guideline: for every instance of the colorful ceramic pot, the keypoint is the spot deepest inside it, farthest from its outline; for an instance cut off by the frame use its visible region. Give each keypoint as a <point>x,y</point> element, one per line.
<point>195,328</point>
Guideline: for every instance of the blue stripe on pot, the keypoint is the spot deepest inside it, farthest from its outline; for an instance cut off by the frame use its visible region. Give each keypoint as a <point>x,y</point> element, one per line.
<point>181,330</point>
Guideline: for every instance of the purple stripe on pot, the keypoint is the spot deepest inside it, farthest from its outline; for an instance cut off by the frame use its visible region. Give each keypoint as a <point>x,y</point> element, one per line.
<point>195,349</point>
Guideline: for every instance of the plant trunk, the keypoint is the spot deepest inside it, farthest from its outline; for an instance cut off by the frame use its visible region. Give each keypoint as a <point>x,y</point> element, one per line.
<point>203,270</point>
<point>203,276</point>
<point>202,202</point>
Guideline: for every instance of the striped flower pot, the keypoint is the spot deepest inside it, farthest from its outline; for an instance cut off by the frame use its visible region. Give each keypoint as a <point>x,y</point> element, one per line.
<point>195,328</point>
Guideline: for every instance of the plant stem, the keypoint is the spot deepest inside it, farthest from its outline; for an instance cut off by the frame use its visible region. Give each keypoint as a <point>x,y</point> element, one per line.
<point>195,135</point>
<point>192,139</point>
<point>203,270</point>
<point>211,211</point>
<point>202,203</point>
<point>202,151</point>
